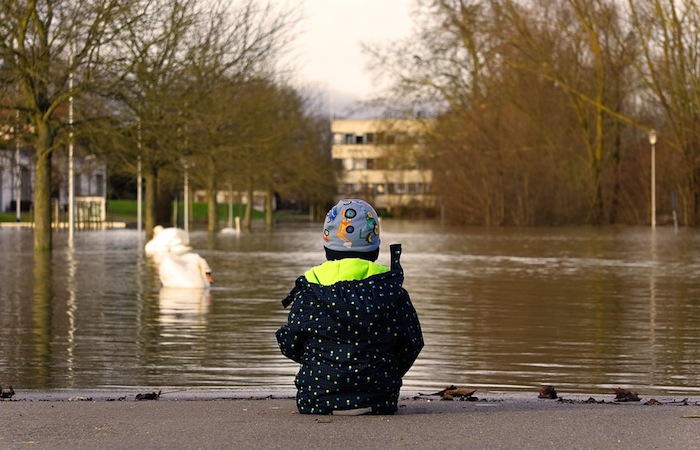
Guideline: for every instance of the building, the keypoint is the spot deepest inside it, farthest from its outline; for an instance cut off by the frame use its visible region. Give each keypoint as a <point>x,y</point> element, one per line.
<point>89,189</point>
<point>383,162</point>
<point>89,184</point>
<point>16,180</point>
<point>16,170</point>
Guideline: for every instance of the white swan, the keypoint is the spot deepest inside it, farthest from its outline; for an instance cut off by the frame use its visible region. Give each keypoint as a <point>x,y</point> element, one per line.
<point>189,271</point>
<point>230,229</point>
<point>168,240</point>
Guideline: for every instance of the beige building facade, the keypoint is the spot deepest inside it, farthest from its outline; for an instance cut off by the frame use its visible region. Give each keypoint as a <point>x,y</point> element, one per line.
<point>383,162</point>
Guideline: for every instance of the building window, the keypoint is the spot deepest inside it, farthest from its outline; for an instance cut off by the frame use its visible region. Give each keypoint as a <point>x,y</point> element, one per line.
<point>371,138</point>
<point>397,188</point>
<point>100,181</point>
<point>348,138</point>
<point>26,177</point>
<point>351,164</point>
<point>348,189</point>
<point>77,185</point>
<point>359,139</point>
<point>414,188</point>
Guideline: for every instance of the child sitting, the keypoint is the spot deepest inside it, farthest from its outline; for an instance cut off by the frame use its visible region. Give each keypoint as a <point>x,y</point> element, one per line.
<point>352,327</point>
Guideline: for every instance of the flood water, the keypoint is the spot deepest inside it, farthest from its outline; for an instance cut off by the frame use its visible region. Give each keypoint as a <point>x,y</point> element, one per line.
<point>583,309</point>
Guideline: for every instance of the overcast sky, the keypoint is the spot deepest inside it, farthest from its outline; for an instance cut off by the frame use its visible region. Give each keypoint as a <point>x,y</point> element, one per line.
<point>329,47</point>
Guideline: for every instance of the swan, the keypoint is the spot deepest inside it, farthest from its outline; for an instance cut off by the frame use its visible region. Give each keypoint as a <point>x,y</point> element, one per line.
<point>230,229</point>
<point>189,271</point>
<point>168,240</point>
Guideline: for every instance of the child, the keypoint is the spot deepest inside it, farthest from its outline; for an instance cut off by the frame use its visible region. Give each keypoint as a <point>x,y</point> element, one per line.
<point>352,327</point>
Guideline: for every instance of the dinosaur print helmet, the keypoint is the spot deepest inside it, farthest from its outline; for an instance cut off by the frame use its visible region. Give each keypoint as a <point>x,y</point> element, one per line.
<point>351,230</point>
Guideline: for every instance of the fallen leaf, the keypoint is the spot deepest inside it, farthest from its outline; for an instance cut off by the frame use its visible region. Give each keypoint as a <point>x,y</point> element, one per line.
<point>548,392</point>
<point>625,395</point>
<point>151,396</point>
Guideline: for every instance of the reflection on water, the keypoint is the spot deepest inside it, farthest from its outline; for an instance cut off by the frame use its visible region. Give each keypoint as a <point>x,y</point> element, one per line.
<point>508,309</point>
<point>183,309</point>
<point>42,318</point>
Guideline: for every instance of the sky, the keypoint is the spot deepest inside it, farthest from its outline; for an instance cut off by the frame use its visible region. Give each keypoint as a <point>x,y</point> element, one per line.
<point>328,50</point>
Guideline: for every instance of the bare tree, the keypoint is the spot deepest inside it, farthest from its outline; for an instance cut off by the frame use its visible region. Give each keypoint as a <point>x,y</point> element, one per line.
<point>43,43</point>
<point>669,33</point>
<point>153,95</point>
<point>593,69</point>
<point>534,104</point>
<point>231,51</point>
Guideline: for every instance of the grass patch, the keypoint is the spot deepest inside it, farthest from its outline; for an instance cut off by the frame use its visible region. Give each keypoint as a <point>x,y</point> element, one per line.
<point>126,210</point>
<point>12,217</point>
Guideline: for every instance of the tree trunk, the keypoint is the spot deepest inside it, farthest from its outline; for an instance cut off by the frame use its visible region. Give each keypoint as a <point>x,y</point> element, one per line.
<point>212,209</point>
<point>165,213</point>
<point>150,202</point>
<point>268,210</point>
<point>249,207</point>
<point>42,190</point>
<point>695,189</point>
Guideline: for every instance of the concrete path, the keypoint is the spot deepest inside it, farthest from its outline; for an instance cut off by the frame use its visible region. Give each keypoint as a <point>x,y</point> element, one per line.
<point>192,420</point>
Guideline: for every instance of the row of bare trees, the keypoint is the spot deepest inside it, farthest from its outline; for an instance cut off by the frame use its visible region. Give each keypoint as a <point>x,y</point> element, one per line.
<point>161,86</point>
<point>544,108</point>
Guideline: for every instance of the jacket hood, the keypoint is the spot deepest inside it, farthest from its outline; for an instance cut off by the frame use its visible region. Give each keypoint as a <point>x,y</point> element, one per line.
<point>352,287</point>
<point>347,269</point>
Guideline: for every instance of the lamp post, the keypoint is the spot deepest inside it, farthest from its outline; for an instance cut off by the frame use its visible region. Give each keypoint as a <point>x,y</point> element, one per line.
<point>18,175</point>
<point>186,198</point>
<point>139,185</point>
<point>71,181</point>
<point>652,141</point>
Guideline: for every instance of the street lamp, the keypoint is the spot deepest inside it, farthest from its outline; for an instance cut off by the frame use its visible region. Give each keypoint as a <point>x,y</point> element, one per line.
<point>139,185</point>
<point>71,181</point>
<point>652,141</point>
<point>18,174</point>
<point>186,196</point>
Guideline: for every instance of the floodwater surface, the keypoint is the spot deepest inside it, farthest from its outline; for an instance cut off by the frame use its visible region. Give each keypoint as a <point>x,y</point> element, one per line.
<point>583,309</point>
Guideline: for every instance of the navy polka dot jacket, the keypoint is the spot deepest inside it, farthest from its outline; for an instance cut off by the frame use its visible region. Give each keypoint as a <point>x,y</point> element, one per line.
<point>354,341</point>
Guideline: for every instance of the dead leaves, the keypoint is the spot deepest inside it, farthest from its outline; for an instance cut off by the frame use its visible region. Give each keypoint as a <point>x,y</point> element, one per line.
<point>452,392</point>
<point>7,393</point>
<point>621,395</point>
<point>151,396</point>
<point>625,395</point>
<point>548,392</point>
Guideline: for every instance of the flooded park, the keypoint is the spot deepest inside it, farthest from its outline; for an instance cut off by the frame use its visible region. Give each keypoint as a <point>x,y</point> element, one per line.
<point>502,309</point>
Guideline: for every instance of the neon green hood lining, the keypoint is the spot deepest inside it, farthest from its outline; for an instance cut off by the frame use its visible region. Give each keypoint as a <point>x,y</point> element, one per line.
<point>330,272</point>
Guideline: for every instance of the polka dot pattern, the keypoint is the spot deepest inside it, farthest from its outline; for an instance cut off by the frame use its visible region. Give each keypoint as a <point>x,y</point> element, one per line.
<point>354,341</point>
